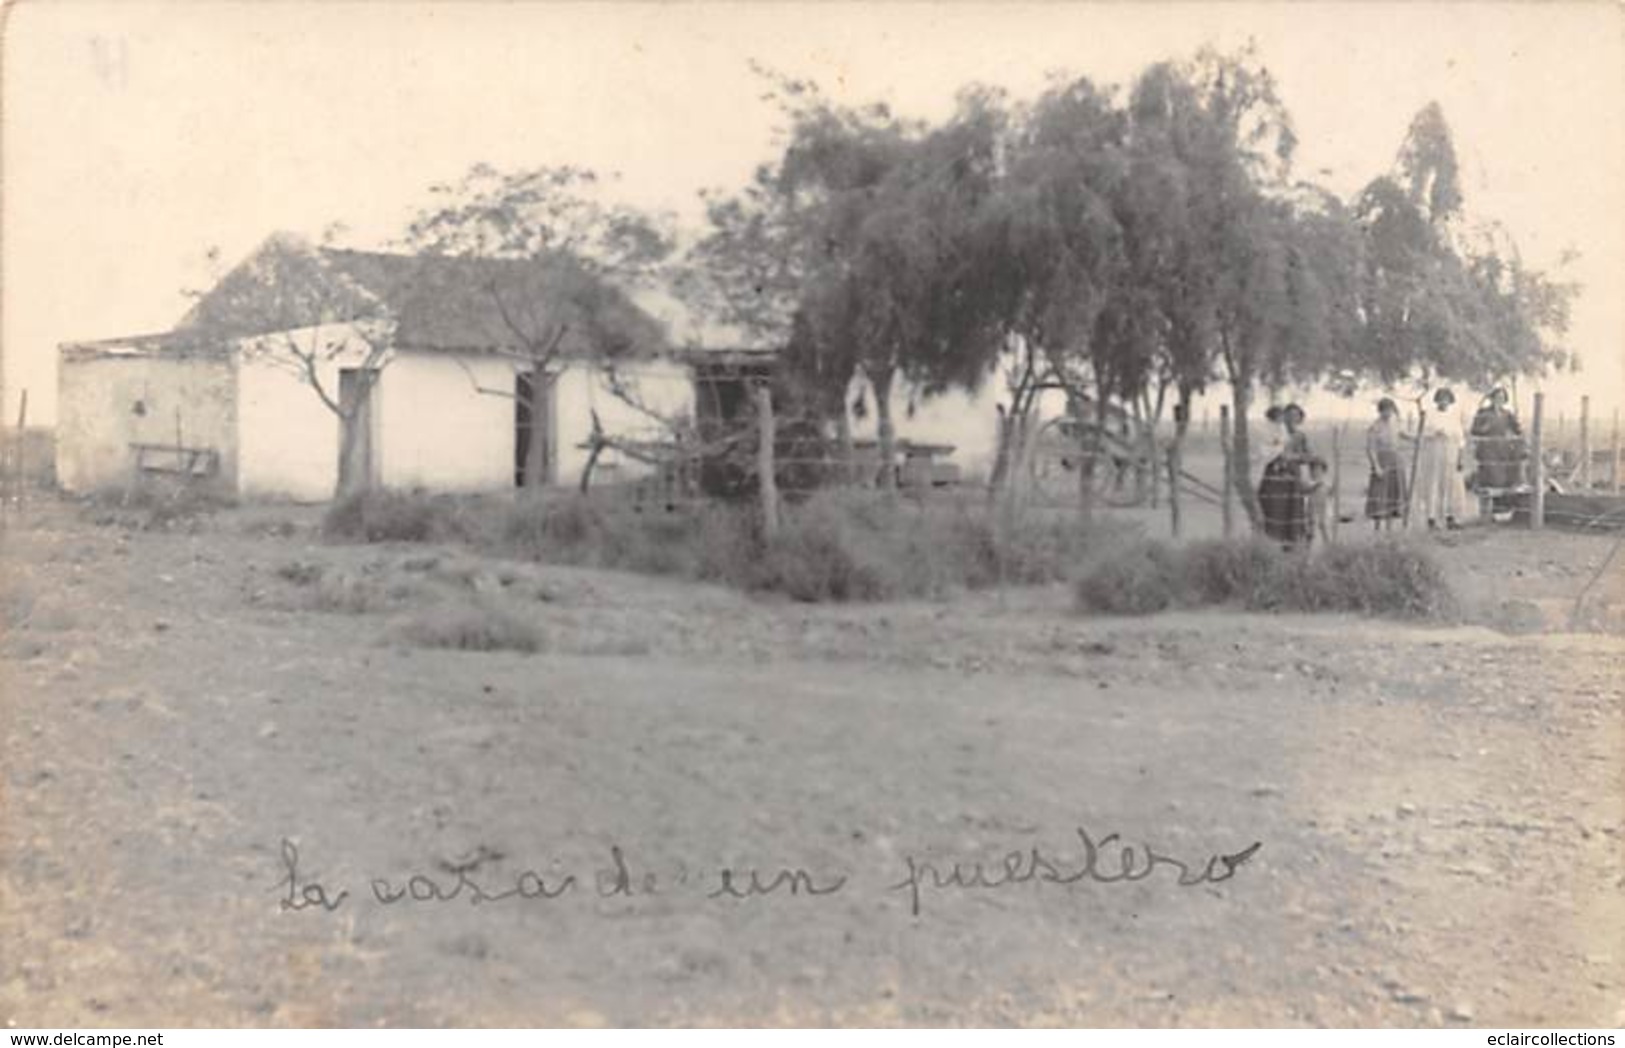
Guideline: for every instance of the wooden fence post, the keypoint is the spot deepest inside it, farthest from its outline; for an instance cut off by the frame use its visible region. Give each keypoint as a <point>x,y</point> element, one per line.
<point>1337,479</point>
<point>1585,444</point>
<point>764,462</point>
<point>1227,489</point>
<point>1182,420</point>
<point>1416,461</point>
<point>19,454</point>
<point>1537,468</point>
<point>1615,476</point>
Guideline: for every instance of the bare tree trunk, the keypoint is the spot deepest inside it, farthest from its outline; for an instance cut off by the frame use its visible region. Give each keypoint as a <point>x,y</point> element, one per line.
<point>1092,448</point>
<point>1149,479</point>
<point>535,454</point>
<point>1182,417</point>
<point>767,482</point>
<point>1001,453</point>
<point>885,435</point>
<point>1018,484</point>
<point>348,483</point>
<point>1241,461</point>
<point>844,446</point>
<point>1227,489</point>
<point>19,461</point>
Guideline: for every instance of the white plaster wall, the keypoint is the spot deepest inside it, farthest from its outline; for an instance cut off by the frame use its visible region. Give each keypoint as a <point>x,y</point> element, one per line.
<point>288,440</point>
<point>437,431</point>
<point>663,385</point>
<point>97,419</point>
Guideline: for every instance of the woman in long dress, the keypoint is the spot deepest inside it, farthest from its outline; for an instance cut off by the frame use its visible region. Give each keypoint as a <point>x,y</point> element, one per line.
<point>1283,493</point>
<point>1440,494</point>
<point>1385,493</point>
<point>1498,449</point>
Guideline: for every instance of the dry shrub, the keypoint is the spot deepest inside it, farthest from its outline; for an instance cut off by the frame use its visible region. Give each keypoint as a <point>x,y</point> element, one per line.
<point>347,593</point>
<point>464,626</point>
<point>867,546</point>
<point>1246,572</point>
<point>299,572</point>
<point>1395,579</point>
<point>394,516</point>
<point>827,549</point>
<point>1130,579</point>
<point>835,546</point>
<point>343,594</point>
<point>548,529</point>
<point>157,503</point>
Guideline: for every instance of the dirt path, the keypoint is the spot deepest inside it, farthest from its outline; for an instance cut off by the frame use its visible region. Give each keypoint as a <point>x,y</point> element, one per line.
<point>1441,810</point>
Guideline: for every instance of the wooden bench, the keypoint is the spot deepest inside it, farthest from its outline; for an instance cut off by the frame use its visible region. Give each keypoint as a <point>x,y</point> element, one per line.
<point>176,460</point>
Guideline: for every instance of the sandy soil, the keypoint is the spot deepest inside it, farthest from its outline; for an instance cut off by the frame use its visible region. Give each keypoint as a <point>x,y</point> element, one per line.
<point>1441,809</point>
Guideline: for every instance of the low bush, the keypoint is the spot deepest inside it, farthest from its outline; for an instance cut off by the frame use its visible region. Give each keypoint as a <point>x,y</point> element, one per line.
<point>393,516</point>
<point>484,626</point>
<point>1130,579</point>
<point>1245,571</point>
<point>824,551</point>
<point>834,546</point>
<point>157,503</point>
<point>1394,579</point>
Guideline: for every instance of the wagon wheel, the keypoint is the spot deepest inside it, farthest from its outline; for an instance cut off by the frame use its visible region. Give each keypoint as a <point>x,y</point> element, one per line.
<point>1120,476</point>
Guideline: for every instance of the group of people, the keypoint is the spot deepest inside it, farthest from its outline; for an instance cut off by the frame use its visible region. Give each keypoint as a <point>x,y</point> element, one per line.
<point>1291,494</point>
<point>1441,463</point>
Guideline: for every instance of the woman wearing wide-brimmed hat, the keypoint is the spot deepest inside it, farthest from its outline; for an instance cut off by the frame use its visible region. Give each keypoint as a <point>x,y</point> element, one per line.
<point>1385,492</point>
<point>1283,493</point>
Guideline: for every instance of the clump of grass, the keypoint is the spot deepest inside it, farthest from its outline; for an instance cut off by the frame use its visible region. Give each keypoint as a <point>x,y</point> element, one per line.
<point>299,572</point>
<point>1248,572</point>
<point>345,595</point>
<point>1131,579</point>
<point>835,546</point>
<point>484,626</point>
<point>152,503</point>
<point>824,551</point>
<point>393,516</point>
<point>1394,579</point>
<point>1384,578</point>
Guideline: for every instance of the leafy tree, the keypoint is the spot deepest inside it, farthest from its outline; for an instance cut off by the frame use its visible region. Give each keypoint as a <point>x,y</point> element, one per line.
<point>1047,253</point>
<point>1441,301</point>
<point>549,256</point>
<point>292,308</point>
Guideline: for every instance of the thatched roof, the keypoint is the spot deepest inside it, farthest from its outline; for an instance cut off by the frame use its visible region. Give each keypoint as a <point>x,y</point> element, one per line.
<point>436,302</point>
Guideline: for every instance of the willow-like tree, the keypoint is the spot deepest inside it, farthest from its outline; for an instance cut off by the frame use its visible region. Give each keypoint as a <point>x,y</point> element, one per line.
<point>1440,298</point>
<point>1048,266</point>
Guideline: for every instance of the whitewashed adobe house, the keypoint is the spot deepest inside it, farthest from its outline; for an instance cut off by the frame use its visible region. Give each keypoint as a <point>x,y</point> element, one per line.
<point>427,353</point>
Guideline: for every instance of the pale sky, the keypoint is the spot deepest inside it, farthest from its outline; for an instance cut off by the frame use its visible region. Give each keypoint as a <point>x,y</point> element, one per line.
<point>137,135</point>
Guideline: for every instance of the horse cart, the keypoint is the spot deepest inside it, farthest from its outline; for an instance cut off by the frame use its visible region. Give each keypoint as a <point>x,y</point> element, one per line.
<point>1119,454</point>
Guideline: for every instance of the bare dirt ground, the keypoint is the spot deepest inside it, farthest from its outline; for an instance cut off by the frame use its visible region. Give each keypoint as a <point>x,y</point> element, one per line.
<point>1441,809</point>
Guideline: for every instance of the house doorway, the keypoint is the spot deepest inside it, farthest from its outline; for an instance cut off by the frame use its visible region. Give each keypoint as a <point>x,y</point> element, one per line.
<point>535,426</point>
<point>358,464</point>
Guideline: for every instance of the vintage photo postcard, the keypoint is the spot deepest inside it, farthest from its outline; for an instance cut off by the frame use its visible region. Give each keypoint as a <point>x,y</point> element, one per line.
<point>700,514</point>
